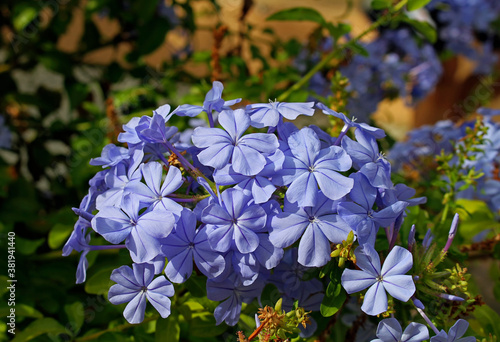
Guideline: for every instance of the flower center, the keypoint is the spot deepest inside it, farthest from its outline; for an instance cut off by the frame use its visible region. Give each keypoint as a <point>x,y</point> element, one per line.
<point>380,278</point>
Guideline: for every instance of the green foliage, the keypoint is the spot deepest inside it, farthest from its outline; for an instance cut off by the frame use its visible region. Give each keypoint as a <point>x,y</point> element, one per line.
<point>335,295</point>
<point>416,4</point>
<point>299,14</point>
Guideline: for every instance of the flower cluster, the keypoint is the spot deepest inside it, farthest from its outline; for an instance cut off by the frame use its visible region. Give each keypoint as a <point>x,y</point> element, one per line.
<point>230,201</point>
<point>446,137</point>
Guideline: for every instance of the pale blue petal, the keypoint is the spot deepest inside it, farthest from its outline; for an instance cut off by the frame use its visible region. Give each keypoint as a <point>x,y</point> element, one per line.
<point>247,161</point>
<point>399,286</point>
<point>368,260</point>
<point>389,330</point>
<point>216,155</point>
<point>314,248</point>
<point>304,145</point>
<point>206,137</point>
<point>246,240</point>
<point>134,311</point>
<point>355,280</point>
<point>333,184</point>
<point>286,229</point>
<point>375,301</point>
<point>415,332</point>
<point>399,261</point>
<point>303,190</point>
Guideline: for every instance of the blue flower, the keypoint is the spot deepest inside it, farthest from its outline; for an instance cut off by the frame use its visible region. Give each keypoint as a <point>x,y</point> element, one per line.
<point>310,166</point>
<point>390,278</point>
<point>118,178</point>
<point>318,226</point>
<point>389,330</point>
<point>142,233</point>
<point>454,334</point>
<point>269,114</point>
<point>375,132</point>
<point>260,186</point>
<point>359,213</point>
<point>154,193</point>
<point>79,241</point>
<point>367,159</point>
<point>110,156</point>
<point>157,132</point>
<point>234,293</point>
<point>234,222</point>
<point>213,101</point>
<point>185,244</point>
<point>221,147</point>
<point>134,285</point>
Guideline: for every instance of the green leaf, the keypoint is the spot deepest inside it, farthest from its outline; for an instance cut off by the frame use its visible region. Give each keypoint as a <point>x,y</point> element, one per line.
<point>357,48</point>
<point>26,247</point>
<point>167,329</point>
<point>486,321</point>
<point>381,4</point>
<point>39,327</point>
<point>100,282</point>
<point>270,295</point>
<point>330,305</point>
<point>335,295</point>
<point>152,35</point>
<point>21,310</point>
<point>57,61</point>
<point>197,286</point>
<point>58,235</point>
<point>23,14</point>
<point>299,14</point>
<point>203,325</point>
<point>339,30</point>
<point>424,28</point>
<point>75,313</point>
<point>416,4</point>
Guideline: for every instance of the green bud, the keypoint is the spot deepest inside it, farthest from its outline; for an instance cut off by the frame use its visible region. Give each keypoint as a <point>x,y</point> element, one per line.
<point>350,237</point>
<point>277,307</point>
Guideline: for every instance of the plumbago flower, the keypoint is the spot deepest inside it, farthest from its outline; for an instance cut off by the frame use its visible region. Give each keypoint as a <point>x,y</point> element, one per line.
<point>308,167</point>
<point>235,205</point>
<point>391,278</point>
<point>221,147</point>
<point>454,334</point>
<point>318,225</point>
<point>134,285</point>
<point>389,330</point>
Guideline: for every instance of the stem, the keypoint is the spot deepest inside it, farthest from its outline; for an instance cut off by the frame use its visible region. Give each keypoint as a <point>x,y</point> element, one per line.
<point>343,132</point>
<point>338,49</point>
<point>426,319</point>
<point>211,120</point>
